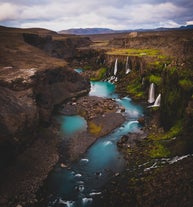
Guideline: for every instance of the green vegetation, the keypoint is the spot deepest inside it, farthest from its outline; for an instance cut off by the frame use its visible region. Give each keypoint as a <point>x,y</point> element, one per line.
<point>186,84</point>
<point>155,79</point>
<point>134,88</point>
<point>94,128</point>
<point>135,52</point>
<point>87,67</point>
<point>99,74</point>
<point>173,132</point>
<point>158,150</point>
<point>156,64</point>
<point>172,70</point>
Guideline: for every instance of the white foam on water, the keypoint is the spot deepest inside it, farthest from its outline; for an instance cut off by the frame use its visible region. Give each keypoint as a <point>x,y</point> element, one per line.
<point>78,175</point>
<point>86,201</point>
<point>84,160</point>
<point>80,182</point>
<point>66,203</point>
<point>81,188</point>
<point>107,143</point>
<point>95,193</point>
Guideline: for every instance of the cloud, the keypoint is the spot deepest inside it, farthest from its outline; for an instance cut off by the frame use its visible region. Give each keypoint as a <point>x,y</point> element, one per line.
<point>26,2</point>
<point>189,22</point>
<point>115,14</point>
<point>8,11</point>
<point>155,14</point>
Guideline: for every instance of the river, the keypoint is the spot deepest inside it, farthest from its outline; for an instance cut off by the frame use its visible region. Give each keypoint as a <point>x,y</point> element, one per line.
<point>78,185</point>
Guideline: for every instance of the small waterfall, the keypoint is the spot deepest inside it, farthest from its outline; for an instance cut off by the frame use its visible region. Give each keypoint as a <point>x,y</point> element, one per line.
<point>127,62</point>
<point>151,98</point>
<point>157,101</point>
<point>142,81</point>
<point>115,67</point>
<point>127,69</point>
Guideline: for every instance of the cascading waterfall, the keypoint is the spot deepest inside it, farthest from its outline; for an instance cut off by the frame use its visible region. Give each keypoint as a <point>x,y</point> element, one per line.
<point>157,102</point>
<point>127,66</point>
<point>115,67</point>
<point>151,98</point>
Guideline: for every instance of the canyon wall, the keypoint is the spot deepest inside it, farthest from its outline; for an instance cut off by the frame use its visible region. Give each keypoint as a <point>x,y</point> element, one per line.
<point>65,47</point>
<point>33,82</point>
<point>24,104</point>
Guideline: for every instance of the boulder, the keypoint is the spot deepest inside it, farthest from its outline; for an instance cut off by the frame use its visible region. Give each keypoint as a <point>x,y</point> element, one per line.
<point>141,120</point>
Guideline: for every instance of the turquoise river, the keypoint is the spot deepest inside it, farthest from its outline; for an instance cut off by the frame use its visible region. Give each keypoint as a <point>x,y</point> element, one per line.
<point>79,185</point>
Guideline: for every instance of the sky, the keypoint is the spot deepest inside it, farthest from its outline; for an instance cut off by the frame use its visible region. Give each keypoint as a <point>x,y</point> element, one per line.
<point>114,14</point>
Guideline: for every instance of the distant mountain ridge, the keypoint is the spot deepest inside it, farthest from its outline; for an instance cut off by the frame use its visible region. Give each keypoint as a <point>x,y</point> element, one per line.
<point>90,31</point>
<point>87,31</point>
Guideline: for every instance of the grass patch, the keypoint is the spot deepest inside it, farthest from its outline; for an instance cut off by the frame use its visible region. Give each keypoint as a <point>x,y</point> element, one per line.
<point>135,52</point>
<point>94,128</point>
<point>155,79</point>
<point>186,84</point>
<point>135,89</point>
<point>158,150</point>
<point>99,74</point>
<point>174,131</point>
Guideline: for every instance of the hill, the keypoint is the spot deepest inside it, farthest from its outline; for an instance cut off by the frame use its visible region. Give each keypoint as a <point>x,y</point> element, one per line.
<point>92,31</point>
<point>87,31</point>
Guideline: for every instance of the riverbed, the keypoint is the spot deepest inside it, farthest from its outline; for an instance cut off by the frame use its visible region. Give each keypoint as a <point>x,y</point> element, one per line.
<point>81,182</point>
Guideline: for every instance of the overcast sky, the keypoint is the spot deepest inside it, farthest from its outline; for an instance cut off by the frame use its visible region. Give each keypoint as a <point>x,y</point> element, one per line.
<point>115,14</point>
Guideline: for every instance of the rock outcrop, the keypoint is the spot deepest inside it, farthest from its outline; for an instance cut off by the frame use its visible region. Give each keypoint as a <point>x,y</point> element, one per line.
<point>53,87</point>
<point>29,99</point>
<point>32,83</point>
<point>59,46</point>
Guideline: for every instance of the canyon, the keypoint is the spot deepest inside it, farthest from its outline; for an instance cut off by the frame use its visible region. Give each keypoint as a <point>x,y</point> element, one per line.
<point>37,76</point>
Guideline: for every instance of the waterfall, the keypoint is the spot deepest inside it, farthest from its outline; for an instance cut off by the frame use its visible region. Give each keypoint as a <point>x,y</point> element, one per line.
<point>127,71</point>
<point>157,101</point>
<point>127,62</point>
<point>127,66</point>
<point>151,98</point>
<point>142,81</point>
<point>115,67</point>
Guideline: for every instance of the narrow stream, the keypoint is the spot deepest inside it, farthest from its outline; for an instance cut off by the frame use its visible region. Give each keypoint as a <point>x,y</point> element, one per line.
<point>78,185</point>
